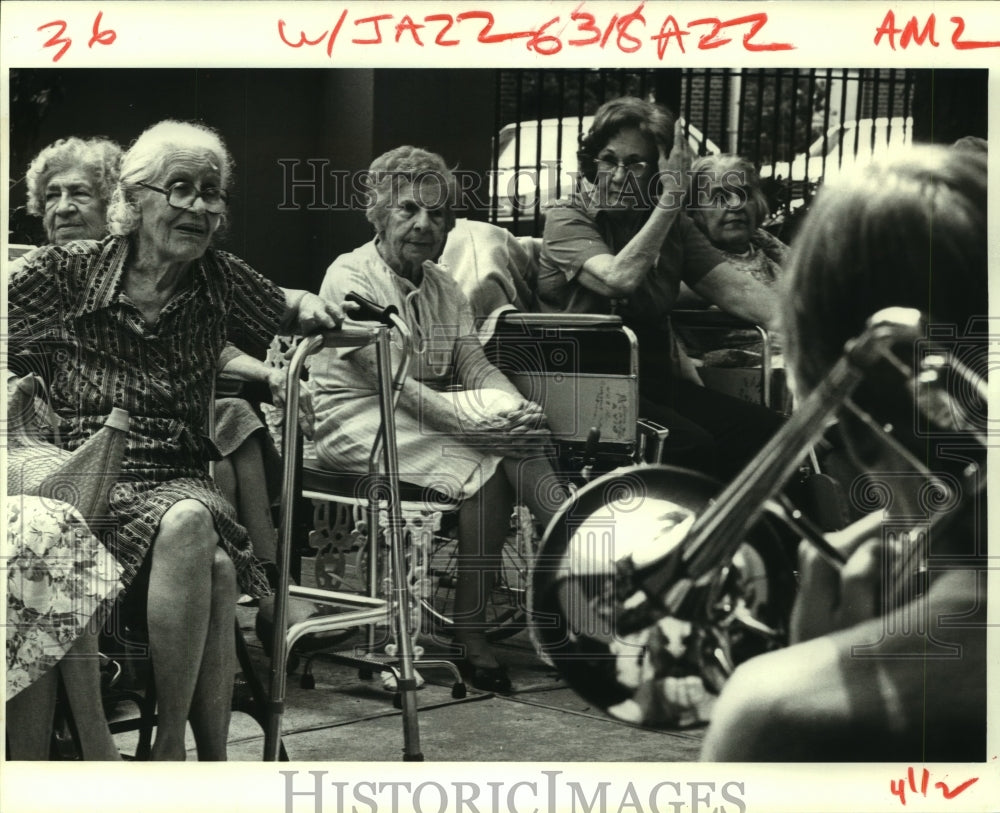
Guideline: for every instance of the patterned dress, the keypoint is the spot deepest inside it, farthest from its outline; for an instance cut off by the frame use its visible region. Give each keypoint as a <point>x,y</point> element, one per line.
<point>60,584</point>
<point>71,322</point>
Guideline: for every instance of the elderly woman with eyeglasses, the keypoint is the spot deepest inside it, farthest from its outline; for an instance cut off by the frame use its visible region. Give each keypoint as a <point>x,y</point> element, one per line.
<point>139,321</point>
<point>483,445</point>
<point>726,203</point>
<point>622,243</point>
<point>70,183</point>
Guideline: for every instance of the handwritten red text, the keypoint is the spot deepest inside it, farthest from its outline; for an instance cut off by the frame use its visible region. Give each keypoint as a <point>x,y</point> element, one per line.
<point>912,32</point>
<point>898,787</point>
<point>625,32</point>
<point>98,36</point>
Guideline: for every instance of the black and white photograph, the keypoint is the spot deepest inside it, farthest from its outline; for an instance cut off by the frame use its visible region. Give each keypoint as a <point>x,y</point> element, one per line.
<point>564,406</point>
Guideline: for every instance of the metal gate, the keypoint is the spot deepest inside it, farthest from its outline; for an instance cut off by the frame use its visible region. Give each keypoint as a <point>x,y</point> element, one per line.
<point>797,126</point>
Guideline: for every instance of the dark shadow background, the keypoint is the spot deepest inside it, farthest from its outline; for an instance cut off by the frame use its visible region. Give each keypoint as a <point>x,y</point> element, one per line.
<point>341,116</point>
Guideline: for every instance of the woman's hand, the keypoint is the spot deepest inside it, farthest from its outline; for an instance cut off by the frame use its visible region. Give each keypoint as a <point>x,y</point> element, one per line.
<point>518,432</point>
<point>525,417</point>
<point>830,599</point>
<point>314,313</point>
<point>307,415</point>
<point>678,163</point>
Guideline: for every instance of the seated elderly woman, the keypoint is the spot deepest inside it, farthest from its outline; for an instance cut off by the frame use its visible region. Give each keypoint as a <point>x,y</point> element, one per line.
<point>69,186</point>
<point>622,244</point>
<point>139,321</point>
<point>871,675</point>
<point>726,203</point>
<point>484,452</point>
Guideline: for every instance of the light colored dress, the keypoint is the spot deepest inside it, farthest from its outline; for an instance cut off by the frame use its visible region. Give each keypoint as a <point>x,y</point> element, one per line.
<point>346,403</point>
<point>61,582</point>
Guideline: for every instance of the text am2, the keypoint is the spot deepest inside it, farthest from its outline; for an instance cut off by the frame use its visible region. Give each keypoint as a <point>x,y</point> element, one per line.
<point>912,32</point>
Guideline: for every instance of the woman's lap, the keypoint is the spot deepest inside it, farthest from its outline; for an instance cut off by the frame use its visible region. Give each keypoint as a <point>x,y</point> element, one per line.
<point>426,458</point>
<point>139,509</point>
<point>709,430</point>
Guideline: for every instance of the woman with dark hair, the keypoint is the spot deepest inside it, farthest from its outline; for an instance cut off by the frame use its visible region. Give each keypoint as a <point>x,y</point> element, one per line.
<point>484,445</point>
<point>622,244</point>
<point>139,321</point>
<point>866,680</point>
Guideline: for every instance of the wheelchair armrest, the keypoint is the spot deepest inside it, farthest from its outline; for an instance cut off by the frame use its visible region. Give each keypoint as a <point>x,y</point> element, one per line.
<point>710,317</point>
<point>557,320</point>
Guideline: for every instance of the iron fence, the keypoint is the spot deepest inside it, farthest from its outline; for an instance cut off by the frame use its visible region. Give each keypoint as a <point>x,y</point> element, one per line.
<point>796,125</point>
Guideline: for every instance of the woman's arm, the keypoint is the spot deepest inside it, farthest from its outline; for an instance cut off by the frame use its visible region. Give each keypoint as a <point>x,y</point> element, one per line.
<point>618,275</point>
<point>475,372</point>
<point>433,410</point>
<point>740,294</point>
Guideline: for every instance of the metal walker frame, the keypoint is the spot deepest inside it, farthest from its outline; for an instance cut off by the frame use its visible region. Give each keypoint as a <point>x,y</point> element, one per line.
<point>354,610</point>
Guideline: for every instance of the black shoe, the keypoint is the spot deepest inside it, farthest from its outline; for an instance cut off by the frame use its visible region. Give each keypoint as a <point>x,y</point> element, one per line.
<point>485,678</point>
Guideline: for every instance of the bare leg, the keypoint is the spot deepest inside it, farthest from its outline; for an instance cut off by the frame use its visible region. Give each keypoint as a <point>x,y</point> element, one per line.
<point>29,719</point>
<point>211,708</point>
<point>224,475</point>
<point>253,505</point>
<point>483,524</point>
<point>82,678</point>
<point>536,485</point>
<point>178,611</point>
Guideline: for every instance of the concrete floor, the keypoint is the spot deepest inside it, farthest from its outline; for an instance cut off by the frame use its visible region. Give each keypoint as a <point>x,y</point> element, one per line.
<point>345,718</point>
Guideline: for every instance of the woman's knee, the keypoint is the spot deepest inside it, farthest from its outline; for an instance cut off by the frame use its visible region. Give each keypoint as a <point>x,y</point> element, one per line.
<point>188,524</point>
<point>223,571</point>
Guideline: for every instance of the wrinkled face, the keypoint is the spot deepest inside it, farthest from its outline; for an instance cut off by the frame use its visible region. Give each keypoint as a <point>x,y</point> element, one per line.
<point>726,213</point>
<point>178,235</point>
<point>625,164</point>
<point>417,225</point>
<point>73,209</point>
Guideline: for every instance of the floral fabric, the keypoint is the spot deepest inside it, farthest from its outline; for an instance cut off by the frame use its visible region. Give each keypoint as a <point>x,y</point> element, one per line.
<point>61,581</point>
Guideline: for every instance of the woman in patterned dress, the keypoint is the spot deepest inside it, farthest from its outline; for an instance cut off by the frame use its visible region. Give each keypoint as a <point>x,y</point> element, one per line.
<point>69,186</point>
<point>462,444</point>
<point>139,321</point>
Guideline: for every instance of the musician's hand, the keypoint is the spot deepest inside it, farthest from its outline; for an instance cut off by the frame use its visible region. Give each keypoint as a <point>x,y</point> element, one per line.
<point>830,599</point>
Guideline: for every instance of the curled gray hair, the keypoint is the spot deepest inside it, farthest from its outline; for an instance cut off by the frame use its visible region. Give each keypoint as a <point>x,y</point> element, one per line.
<point>410,165</point>
<point>98,157</point>
<point>148,158</point>
<point>736,169</point>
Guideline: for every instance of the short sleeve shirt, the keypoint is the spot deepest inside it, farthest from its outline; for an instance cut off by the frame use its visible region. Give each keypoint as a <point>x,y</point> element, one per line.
<point>70,321</point>
<point>575,232</point>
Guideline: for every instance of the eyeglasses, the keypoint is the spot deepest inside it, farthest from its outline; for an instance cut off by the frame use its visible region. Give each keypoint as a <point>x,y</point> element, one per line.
<point>612,165</point>
<point>182,195</point>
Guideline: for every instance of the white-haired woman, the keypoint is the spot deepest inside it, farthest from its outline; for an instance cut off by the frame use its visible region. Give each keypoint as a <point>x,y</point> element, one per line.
<point>139,321</point>
<point>726,203</point>
<point>69,186</point>
<point>410,207</point>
